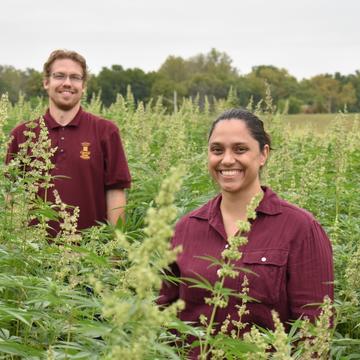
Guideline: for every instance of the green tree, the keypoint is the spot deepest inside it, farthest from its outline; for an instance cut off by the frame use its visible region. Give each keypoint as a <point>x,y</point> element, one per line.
<point>33,84</point>
<point>330,94</point>
<point>347,96</point>
<point>215,62</point>
<point>115,80</point>
<point>11,81</point>
<point>175,69</point>
<point>354,80</point>
<point>326,90</point>
<point>282,84</point>
<point>202,75</point>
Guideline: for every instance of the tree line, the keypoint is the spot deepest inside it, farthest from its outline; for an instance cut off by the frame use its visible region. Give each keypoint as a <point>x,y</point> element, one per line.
<point>205,76</point>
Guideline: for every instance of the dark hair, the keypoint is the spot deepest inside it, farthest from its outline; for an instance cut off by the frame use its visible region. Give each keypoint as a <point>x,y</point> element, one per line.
<point>253,123</point>
<point>65,54</point>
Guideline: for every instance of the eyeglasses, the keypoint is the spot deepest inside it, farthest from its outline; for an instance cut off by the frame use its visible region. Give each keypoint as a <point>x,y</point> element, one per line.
<point>74,78</point>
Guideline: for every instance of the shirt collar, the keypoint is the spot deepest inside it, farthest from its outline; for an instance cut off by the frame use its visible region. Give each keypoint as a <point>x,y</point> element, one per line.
<point>211,213</point>
<point>269,205</point>
<point>209,210</point>
<point>52,124</point>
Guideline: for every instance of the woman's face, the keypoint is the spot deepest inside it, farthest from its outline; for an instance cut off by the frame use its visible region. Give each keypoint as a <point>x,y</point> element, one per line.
<point>234,157</point>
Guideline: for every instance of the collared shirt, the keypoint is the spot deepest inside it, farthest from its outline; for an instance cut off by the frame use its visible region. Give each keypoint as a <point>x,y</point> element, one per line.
<point>89,160</point>
<point>287,251</point>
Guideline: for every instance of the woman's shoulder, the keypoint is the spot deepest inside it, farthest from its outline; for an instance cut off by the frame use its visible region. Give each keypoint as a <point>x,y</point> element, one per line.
<point>296,211</point>
<point>275,204</point>
<point>288,218</point>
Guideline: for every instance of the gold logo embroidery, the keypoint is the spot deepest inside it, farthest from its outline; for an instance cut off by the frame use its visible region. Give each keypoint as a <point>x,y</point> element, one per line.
<point>85,153</point>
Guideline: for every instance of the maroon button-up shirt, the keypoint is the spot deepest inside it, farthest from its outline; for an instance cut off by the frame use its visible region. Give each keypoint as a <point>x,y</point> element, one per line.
<point>287,249</point>
<point>89,160</point>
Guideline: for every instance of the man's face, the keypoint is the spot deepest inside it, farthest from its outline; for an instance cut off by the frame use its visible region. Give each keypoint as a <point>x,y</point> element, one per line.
<point>65,85</point>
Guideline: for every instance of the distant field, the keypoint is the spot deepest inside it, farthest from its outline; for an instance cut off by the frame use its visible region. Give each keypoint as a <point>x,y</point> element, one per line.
<point>320,122</point>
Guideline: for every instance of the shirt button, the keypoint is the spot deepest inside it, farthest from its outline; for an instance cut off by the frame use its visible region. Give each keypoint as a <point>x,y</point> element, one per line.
<point>263,259</point>
<point>62,138</point>
<point>61,150</point>
<point>226,246</point>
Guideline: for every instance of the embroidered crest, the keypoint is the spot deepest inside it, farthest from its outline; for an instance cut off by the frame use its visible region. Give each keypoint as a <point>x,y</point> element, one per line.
<point>85,152</point>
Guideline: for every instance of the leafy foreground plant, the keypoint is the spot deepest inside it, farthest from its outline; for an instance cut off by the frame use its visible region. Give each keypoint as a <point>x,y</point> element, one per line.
<point>53,294</point>
<point>81,301</point>
<point>129,307</point>
<point>83,297</point>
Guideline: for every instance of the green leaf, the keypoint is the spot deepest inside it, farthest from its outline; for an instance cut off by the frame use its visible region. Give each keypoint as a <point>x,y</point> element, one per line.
<point>233,346</point>
<point>16,314</point>
<point>200,283</point>
<point>213,260</point>
<point>9,347</point>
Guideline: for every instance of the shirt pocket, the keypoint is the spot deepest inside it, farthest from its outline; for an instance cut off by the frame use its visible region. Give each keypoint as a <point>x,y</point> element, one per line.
<point>268,276</point>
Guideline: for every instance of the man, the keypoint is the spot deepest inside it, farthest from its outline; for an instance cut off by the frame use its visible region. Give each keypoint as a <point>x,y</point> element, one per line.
<point>91,170</point>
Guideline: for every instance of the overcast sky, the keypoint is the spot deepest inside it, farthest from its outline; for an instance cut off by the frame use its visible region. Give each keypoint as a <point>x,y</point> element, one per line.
<point>306,37</point>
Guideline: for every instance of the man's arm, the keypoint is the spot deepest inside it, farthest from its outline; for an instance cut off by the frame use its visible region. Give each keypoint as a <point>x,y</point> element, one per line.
<point>115,205</point>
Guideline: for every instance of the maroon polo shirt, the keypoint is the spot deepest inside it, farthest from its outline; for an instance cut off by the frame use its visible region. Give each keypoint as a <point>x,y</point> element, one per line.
<point>89,160</point>
<point>287,249</point>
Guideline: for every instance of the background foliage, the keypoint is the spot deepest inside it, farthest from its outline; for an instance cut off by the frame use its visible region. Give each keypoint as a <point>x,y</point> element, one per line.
<point>210,75</point>
<point>60,300</point>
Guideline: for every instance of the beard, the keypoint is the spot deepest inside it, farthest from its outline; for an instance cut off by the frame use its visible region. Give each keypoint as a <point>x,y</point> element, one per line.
<point>64,104</point>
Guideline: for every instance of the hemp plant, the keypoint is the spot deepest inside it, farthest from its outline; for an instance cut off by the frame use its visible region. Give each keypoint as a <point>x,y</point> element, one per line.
<point>136,321</point>
<point>220,295</point>
<point>29,172</point>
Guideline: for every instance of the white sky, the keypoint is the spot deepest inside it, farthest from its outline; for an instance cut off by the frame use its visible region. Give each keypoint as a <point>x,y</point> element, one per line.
<point>306,37</point>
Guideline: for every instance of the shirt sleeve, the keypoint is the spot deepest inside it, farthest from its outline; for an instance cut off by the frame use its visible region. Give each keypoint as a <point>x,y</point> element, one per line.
<point>310,273</point>
<point>117,174</point>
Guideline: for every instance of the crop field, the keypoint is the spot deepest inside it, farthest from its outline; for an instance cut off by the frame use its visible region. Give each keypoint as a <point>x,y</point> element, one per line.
<point>92,295</point>
<point>319,122</point>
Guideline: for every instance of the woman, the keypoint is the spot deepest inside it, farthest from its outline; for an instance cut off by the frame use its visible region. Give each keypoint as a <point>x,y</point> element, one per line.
<point>287,248</point>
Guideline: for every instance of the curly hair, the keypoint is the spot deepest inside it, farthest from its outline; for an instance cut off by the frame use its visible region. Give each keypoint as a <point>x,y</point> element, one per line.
<point>65,54</point>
